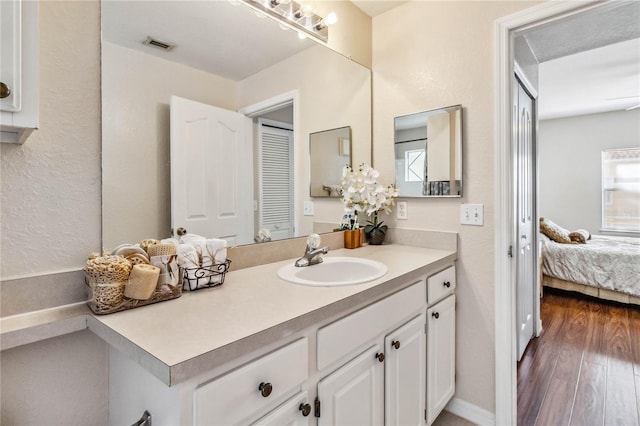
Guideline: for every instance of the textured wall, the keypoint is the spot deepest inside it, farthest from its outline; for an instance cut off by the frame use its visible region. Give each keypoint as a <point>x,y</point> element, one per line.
<point>50,212</point>
<point>428,55</point>
<point>570,158</point>
<point>50,218</point>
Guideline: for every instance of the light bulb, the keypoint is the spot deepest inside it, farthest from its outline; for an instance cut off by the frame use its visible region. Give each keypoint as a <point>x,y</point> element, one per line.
<point>301,35</point>
<point>331,18</point>
<point>305,10</point>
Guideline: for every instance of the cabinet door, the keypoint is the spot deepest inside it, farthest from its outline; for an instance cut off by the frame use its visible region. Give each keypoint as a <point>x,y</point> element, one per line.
<point>291,413</point>
<point>354,394</point>
<point>441,355</point>
<point>404,371</point>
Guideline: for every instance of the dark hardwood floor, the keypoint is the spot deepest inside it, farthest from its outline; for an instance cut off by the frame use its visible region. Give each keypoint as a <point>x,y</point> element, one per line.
<point>584,369</point>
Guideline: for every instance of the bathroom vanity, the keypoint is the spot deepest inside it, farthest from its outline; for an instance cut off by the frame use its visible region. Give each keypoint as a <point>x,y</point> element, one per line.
<point>260,350</point>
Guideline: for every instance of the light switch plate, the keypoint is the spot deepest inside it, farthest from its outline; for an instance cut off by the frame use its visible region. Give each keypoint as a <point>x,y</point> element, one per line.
<point>308,208</point>
<point>401,212</point>
<point>472,214</point>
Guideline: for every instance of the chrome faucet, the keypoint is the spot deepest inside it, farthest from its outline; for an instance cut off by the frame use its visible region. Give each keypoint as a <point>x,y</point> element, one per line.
<point>312,254</point>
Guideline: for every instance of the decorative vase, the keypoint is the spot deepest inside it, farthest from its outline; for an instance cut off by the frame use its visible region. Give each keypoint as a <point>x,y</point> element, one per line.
<point>376,236</point>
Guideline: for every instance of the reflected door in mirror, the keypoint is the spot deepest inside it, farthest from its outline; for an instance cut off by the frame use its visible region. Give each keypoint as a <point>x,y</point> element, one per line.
<point>211,184</point>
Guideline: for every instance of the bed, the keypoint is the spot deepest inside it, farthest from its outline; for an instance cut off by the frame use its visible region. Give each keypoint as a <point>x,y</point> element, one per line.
<point>605,267</point>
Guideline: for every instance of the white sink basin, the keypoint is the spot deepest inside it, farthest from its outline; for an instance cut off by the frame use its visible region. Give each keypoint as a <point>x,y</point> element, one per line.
<point>334,271</point>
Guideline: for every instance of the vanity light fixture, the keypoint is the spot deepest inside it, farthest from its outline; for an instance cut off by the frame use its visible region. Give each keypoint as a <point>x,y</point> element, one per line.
<point>298,16</point>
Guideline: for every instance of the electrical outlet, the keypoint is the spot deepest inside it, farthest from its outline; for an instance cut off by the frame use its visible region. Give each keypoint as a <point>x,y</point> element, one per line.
<point>401,212</point>
<point>472,214</point>
<point>308,208</point>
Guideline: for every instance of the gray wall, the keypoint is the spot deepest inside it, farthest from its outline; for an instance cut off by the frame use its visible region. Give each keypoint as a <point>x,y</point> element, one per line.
<point>569,157</point>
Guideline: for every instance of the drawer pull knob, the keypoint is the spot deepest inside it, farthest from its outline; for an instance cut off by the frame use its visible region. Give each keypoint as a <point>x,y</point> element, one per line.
<point>182,231</point>
<point>396,344</point>
<point>436,315</point>
<point>306,409</point>
<point>380,356</point>
<point>447,284</point>
<point>4,90</point>
<point>265,389</point>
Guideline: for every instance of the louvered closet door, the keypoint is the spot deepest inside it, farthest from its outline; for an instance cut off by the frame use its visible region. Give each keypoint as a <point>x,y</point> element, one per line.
<point>276,178</point>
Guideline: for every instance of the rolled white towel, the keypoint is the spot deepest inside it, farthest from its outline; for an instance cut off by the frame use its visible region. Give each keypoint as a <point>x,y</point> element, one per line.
<point>196,241</point>
<point>216,249</point>
<point>173,241</point>
<point>187,256</point>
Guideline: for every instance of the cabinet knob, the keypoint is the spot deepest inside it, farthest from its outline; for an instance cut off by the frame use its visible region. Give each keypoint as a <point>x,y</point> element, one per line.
<point>436,315</point>
<point>396,344</point>
<point>306,409</point>
<point>4,90</point>
<point>265,389</point>
<point>447,284</point>
<point>380,356</point>
<point>182,231</point>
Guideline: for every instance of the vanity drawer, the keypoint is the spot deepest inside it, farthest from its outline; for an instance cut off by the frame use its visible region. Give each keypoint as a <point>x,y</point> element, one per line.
<point>233,397</point>
<point>441,284</point>
<point>347,334</point>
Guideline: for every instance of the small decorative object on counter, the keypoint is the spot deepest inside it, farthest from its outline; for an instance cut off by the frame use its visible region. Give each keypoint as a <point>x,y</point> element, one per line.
<point>117,283</point>
<point>205,276</point>
<point>353,239</point>
<point>361,192</point>
<point>203,262</point>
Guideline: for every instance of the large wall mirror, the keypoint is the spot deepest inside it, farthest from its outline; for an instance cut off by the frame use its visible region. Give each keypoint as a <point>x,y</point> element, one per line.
<point>171,71</point>
<point>428,153</point>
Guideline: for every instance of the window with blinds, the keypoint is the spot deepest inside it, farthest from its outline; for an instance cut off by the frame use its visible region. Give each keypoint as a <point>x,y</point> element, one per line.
<point>621,190</point>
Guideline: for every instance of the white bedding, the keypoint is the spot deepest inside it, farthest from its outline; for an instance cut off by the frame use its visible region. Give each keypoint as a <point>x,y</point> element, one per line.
<point>612,263</point>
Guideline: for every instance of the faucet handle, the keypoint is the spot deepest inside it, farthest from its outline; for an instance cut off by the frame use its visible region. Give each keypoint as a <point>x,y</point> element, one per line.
<point>313,241</point>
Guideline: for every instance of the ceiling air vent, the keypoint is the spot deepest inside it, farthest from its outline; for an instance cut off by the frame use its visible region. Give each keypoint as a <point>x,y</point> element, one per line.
<point>150,41</point>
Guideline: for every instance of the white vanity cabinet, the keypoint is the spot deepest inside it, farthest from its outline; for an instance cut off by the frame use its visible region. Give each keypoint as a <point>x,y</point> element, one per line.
<point>389,363</point>
<point>385,384</point>
<point>18,69</point>
<point>441,341</point>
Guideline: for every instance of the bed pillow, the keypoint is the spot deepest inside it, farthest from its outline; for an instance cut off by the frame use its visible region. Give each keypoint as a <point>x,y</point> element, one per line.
<point>556,232</point>
<point>580,236</point>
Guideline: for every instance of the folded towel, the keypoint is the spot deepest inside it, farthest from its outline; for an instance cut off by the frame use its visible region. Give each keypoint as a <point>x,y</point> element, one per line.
<point>216,249</point>
<point>187,256</point>
<point>173,241</point>
<point>196,241</point>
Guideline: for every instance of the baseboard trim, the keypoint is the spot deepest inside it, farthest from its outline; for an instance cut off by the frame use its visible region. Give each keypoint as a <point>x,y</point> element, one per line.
<point>471,412</point>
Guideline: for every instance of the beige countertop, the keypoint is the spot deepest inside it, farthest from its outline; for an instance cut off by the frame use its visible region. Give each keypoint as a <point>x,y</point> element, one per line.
<point>202,330</point>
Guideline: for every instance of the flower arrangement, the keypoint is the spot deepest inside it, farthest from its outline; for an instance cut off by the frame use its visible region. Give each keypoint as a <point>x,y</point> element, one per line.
<point>361,192</point>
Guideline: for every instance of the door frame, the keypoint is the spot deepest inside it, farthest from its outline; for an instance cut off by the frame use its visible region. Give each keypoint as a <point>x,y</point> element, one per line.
<point>272,104</point>
<point>505,302</point>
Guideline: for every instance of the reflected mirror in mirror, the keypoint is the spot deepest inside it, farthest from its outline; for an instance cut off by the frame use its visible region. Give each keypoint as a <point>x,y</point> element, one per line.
<point>329,152</point>
<point>221,57</point>
<point>428,153</point>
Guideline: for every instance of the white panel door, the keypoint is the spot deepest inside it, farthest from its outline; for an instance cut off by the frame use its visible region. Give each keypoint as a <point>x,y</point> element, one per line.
<point>211,171</point>
<point>353,395</point>
<point>525,253</point>
<point>404,374</point>
<point>441,356</point>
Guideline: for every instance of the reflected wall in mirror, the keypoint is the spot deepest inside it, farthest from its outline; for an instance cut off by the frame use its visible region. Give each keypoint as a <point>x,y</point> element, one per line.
<point>228,58</point>
<point>329,152</point>
<point>428,153</point>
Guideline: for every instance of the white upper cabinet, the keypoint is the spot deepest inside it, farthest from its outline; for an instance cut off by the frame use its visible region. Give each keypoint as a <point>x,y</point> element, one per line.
<point>18,69</point>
